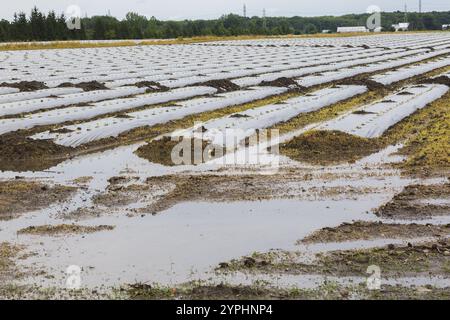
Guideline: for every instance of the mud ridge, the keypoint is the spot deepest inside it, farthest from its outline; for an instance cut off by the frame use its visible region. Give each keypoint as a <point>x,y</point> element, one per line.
<point>283,82</point>
<point>221,85</point>
<point>160,151</point>
<point>151,86</point>
<point>363,230</point>
<point>411,203</point>
<point>20,196</point>
<point>438,80</point>
<point>370,84</point>
<point>25,86</point>
<point>86,86</point>
<point>325,147</point>
<point>19,152</point>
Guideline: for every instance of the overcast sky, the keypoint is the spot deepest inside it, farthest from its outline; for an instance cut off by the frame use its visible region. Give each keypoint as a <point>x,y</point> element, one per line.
<point>205,9</point>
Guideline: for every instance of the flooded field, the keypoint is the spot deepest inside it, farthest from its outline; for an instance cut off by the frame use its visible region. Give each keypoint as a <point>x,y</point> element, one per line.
<point>309,168</point>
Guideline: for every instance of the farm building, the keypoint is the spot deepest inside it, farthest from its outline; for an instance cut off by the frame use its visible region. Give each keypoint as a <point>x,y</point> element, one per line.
<point>351,29</point>
<point>446,27</point>
<point>403,26</point>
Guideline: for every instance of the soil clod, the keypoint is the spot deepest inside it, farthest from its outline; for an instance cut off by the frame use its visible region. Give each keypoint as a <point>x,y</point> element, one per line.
<point>24,86</point>
<point>325,147</point>
<point>221,85</point>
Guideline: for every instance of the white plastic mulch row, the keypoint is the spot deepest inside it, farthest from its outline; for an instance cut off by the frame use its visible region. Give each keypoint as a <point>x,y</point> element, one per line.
<point>228,130</point>
<point>268,70</point>
<point>398,40</point>
<point>177,73</point>
<point>293,73</point>
<point>411,71</point>
<point>123,62</point>
<point>374,119</point>
<point>7,90</point>
<point>344,73</point>
<point>155,62</point>
<point>100,108</point>
<point>12,108</point>
<point>23,96</point>
<point>112,127</point>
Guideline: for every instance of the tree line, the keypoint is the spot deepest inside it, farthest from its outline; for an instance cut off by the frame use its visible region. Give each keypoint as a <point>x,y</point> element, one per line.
<point>38,26</point>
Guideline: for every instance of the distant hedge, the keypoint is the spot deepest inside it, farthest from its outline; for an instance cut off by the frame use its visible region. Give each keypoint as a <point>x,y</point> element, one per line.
<point>39,26</point>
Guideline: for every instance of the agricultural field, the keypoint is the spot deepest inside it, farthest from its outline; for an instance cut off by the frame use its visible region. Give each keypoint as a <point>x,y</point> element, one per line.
<point>273,168</point>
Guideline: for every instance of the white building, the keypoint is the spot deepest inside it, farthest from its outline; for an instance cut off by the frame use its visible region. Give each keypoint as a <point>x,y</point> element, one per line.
<point>402,26</point>
<point>326,31</point>
<point>351,29</point>
<point>446,27</point>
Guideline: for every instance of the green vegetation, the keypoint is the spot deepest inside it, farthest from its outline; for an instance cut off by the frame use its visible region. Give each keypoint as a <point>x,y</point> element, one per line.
<point>63,229</point>
<point>39,26</point>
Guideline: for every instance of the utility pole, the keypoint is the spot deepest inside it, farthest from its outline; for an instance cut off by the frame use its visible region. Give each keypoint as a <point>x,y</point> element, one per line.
<point>245,11</point>
<point>264,19</point>
<point>406,13</point>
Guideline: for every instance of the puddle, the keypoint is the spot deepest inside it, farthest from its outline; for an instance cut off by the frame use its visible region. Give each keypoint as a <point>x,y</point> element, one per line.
<point>434,202</point>
<point>186,241</point>
<point>313,281</point>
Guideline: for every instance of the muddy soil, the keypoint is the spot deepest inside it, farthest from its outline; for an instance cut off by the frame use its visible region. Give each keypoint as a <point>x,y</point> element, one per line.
<point>63,229</point>
<point>244,187</point>
<point>151,86</point>
<point>283,82</point>
<point>221,85</point>
<point>328,147</point>
<point>428,138</point>
<point>17,197</point>
<point>431,258</point>
<point>416,202</point>
<point>86,86</point>
<point>8,254</point>
<point>121,196</point>
<point>20,153</point>
<point>25,86</point>
<point>358,81</point>
<point>205,291</point>
<point>326,291</point>
<point>438,80</point>
<point>362,230</point>
<point>160,151</point>
<point>161,193</point>
<point>226,292</point>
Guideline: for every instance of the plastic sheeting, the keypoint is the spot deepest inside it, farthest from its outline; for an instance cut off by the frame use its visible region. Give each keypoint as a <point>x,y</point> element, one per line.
<point>66,100</point>
<point>112,127</point>
<point>411,71</point>
<point>83,113</point>
<point>344,73</point>
<point>23,96</point>
<point>228,130</point>
<point>331,64</point>
<point>376,118</point>
<point>7,90</point>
